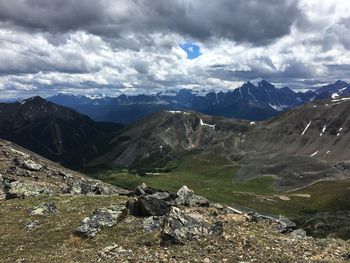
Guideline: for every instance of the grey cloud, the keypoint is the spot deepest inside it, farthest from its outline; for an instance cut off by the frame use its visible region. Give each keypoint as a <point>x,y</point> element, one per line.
<point>241,20</point>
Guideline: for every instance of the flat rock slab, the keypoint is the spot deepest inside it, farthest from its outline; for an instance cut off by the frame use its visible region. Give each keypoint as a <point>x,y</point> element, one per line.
<point>104,217</point>
<point>44,209</point>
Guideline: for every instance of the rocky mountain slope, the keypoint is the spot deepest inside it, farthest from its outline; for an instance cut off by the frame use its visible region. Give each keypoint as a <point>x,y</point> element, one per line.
<point>254,100</point>
<point>51,130</point>
<point>26,174</point>
<point>151,142</point>
<point>297,148</point>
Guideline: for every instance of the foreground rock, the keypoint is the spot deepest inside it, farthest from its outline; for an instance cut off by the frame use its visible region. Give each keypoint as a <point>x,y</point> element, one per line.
<point>180,227</point>
<point>186,197</point>
<point>148,206</point>
<point>114,252</point>
<point>44,209</point>
<point>105,217</point>
<point>152,223</point>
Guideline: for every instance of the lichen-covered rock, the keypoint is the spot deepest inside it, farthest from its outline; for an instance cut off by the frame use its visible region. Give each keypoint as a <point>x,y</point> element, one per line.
<point>147,206</point>
<point>31,225</point>
<point>114,252</point>
<point>285,225</point>
<point>104,217</point>
<point>180,227</point>
<point>31,165</point>
<point>92,187</point>
<point>186,197</point>
<point>152,223</point>
<point>44,209</point>
<point>24,189</point>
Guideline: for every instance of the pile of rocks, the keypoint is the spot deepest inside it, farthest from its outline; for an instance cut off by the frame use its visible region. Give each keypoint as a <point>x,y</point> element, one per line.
<point>105,217</point>
<point>179,217</point>
<point>168,213</point>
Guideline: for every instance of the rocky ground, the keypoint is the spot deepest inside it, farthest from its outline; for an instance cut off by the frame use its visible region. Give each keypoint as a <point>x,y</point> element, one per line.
<point>51,214</point>
<point>151,226</point>
<point>24,174</point>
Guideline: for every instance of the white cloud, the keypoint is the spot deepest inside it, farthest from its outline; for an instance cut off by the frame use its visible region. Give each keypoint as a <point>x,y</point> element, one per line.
<point>38,62</point>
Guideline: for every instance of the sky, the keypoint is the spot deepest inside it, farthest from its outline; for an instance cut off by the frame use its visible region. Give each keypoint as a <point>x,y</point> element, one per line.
<point>147,46</point>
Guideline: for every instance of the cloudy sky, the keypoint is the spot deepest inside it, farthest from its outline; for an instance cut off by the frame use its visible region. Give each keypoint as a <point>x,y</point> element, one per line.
<point>147,46</point>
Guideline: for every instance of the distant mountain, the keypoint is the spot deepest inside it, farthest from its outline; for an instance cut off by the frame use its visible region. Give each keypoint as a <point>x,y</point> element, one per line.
<point>335,90</point>
<point>255,100</point>
<point>51,130</point>
<point>151,144</point>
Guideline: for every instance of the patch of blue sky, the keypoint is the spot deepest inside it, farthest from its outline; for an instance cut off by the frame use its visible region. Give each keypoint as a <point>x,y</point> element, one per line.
<point>192,50</point>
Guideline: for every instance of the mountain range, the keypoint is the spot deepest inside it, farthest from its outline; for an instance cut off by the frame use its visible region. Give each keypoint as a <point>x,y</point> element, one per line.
<point>298,147</point>
<point>301,151</point>
<point>255,100</point>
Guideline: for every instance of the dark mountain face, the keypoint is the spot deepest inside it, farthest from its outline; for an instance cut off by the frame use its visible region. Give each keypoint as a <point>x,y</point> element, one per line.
<point>51,130</point>
<point>256,100</point>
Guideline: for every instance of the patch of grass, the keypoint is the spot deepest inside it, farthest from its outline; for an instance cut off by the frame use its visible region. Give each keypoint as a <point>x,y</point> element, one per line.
<point>54,240</point>
<point>208,175</point>
<point>328,196</point>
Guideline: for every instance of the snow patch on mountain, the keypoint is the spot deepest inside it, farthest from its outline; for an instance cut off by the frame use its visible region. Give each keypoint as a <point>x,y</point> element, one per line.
<point>307,127</point>
<point>206,124</point>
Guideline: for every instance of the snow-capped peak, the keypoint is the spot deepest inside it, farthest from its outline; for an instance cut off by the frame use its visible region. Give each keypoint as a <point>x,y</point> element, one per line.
<point>256,81</point>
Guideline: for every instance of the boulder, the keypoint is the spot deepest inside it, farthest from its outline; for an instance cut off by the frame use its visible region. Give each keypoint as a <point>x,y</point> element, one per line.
<point>285,225</point>
<point>162,196</point>
<point>44,209</point>
<point>147,206</point>
<point>104,217</point>
<point>143,190</point>
<point>31,165</point>
<point>31,225</point>
<point>23,189</point>
<point>186,197</point>
<point>152,223</point>
<point>179,227</point>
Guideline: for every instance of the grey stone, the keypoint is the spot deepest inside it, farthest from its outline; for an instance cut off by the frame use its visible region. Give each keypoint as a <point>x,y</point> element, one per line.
<point>186,197</point>
<point>44,209</point>
<point>25,189</point>
<point>217,206</point>
<point>161,196</point>
<point>114,252</point>
<point>152,223</point>
<point>89,187</point>
<point>31,225</point>
<point>31,165</point>
<point>104,217</point>
<point>285,225</point>
<point>147,206</point>
<point>180,227</point>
